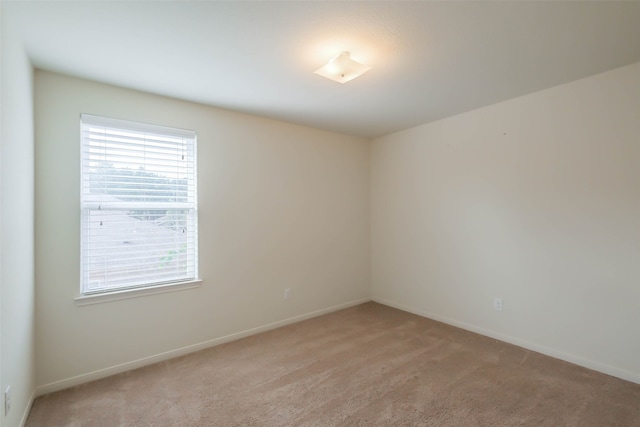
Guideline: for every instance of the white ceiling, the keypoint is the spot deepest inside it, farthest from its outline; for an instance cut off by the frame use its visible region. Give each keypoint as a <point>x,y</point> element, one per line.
<point>430,59</point>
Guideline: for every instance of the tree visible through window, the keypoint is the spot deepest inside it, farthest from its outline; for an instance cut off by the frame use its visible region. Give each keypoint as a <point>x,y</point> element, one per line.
<point>139,205</point>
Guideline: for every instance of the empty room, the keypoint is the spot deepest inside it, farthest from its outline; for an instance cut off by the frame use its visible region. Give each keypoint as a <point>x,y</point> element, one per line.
<point>320,213</point>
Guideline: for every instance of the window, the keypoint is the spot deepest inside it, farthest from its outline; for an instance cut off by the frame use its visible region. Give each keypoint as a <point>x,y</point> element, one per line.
<point>139,205</point>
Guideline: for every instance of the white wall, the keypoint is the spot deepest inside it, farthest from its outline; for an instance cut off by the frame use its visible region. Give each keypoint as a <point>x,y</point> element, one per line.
<point>535,200</point>
<point>279,206</point>
<point>16,214</point>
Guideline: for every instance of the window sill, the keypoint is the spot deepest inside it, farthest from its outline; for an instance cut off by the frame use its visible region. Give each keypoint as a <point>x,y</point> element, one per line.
<point>135,293</point>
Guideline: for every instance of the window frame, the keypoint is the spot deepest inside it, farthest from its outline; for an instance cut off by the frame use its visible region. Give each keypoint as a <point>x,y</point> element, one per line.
<point>110,292</point>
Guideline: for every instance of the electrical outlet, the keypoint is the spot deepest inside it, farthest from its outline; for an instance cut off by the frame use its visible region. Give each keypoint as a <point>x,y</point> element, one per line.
<point>497,304</point>
<point>7,400</point>
<point>287,293</point>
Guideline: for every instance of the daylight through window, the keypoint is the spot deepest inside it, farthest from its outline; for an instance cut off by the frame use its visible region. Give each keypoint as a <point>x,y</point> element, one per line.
<point>139,207</point>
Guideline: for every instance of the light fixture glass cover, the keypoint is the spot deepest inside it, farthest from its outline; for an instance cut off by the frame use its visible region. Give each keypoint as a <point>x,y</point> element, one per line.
<point>342,68</point>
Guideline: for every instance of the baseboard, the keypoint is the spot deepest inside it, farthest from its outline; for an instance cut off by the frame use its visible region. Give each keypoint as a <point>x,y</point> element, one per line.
<point>571,358</point>
<point>103,373</point>
<point>25,415</point>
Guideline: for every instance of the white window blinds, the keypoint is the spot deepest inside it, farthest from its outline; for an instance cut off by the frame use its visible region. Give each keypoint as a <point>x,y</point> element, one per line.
<point>139,205</point>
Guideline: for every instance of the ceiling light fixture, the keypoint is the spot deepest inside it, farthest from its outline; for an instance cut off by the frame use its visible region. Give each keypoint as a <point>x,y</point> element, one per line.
<point>342,68</point>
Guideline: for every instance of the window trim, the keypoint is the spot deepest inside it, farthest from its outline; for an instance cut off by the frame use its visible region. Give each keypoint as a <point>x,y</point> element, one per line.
<point>122,294</point>
<point>88,297</point>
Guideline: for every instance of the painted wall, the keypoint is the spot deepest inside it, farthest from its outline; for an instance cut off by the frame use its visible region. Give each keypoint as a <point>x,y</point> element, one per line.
<point>535,200</point>
<point>279,206</point>
<point>16,215</point>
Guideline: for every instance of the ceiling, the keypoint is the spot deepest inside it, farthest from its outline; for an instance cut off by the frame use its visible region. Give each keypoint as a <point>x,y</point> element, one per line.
<point>430,59</point>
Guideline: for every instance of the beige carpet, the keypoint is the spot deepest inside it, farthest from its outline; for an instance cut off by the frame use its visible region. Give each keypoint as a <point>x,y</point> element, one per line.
<point>367,365</point>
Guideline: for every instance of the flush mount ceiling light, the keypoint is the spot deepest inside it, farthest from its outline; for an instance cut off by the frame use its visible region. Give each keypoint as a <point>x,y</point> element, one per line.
<point>342,68</point>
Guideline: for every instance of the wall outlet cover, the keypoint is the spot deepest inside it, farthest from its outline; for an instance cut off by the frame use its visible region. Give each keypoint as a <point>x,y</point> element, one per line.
<point>7,400</point>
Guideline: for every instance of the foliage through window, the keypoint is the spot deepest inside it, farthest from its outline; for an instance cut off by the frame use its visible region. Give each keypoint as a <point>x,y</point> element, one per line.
<point>139,205</point>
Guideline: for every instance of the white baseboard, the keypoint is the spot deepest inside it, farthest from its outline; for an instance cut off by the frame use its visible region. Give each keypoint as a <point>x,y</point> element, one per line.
<point>103,373</point>
<point>571,358</point>
<point>25,415</point>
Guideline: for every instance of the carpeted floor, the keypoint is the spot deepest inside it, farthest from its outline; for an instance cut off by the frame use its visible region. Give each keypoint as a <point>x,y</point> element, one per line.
<point>366,365</point>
